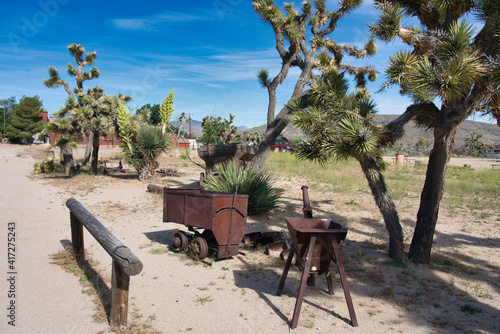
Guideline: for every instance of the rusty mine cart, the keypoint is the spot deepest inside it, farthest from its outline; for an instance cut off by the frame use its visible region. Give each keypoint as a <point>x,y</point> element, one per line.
<point>222,216</point>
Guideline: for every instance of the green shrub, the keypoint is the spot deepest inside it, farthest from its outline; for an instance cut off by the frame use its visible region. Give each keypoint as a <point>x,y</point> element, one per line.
<point>258,185</point>
<point>47,166</point>
<point>149,145</point>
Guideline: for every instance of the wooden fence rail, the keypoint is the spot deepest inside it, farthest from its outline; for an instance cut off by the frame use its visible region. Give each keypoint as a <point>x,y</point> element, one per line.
<point>125,263</point>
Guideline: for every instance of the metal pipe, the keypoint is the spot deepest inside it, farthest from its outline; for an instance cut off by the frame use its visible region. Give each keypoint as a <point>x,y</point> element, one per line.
<point>307,209</point>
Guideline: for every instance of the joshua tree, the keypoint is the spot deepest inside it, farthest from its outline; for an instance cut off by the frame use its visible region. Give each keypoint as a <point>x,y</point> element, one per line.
<point>449,62</point>
<point>305,51</point>
<point>341,126</point>
<point>93,111</point>
<point>77,51</point>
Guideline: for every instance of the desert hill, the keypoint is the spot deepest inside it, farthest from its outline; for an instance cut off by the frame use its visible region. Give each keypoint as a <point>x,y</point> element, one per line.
<point>490,132</point>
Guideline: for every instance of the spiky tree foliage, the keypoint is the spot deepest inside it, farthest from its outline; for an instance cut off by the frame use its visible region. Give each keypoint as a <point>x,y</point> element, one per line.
<point>303,41</point>
<point>27,119</point>
<point>217,130</point>
<point>257,184</point>
<point>92,110</point>
<point>67,139</point>
<point>149,144</point>
<point>166,110</point>
<point>341,127</point>
<point>127,128</point>
<point>474,146</point>
<point>451,63</point>
<point>82,59</point>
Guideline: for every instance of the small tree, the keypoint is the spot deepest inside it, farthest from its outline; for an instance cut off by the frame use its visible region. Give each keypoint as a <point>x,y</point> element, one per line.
<point>27,120</point>
<point>474,146</point>
<point>217,130</point>
<point>7,107</point>
<point>341,127</point>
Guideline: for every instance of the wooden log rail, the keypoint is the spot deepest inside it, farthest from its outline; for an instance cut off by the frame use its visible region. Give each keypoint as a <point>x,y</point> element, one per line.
<point>125,263</point>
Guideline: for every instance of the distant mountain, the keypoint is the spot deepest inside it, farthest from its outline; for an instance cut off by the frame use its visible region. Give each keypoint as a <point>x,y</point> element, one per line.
<point>490,132</point>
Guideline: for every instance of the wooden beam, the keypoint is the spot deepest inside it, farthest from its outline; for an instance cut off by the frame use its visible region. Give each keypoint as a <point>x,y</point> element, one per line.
<point>120,253</point>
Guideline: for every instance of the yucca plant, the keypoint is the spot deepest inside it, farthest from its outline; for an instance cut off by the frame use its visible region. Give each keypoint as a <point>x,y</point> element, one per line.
<point>150,143</point>
<point>255,183</point>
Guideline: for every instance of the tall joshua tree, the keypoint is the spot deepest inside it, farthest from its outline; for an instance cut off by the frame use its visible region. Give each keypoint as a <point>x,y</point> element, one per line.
<point>82,60</point>
<point>92,110</point>
<point>451,63</point>
<point>341,126</point>
<point>296,49</point>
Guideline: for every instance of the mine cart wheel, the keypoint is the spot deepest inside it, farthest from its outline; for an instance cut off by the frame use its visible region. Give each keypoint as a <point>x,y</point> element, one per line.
<point>199,247</point>
<point>179,241</point>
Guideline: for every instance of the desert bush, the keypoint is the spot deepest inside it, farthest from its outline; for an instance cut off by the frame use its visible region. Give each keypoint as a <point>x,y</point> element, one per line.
<point>257,184</point>
<point>47,166</point>
<point>149,144</point>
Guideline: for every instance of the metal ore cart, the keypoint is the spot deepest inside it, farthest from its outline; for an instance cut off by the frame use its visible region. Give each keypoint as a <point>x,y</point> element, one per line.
<point>223,217</point>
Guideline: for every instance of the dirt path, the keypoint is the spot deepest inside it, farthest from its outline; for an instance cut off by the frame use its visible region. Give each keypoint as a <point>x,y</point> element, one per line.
<point>175,294</point>
<point>47,300</point>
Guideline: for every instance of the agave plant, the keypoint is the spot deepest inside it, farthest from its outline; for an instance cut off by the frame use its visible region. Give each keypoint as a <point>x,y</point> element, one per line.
<point>150,143</point>
<point>257,184</point>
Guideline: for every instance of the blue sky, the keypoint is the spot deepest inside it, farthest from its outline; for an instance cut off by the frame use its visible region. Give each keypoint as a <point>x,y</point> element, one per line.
<point>209,51</point>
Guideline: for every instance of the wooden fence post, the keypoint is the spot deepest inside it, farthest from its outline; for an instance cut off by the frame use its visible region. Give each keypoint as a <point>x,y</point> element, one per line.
<point>76,235</point>
<point>119,296</point>
<point>125,263</point>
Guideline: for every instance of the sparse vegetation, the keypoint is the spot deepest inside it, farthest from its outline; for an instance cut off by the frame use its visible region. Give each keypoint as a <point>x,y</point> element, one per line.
<point>257,184</point>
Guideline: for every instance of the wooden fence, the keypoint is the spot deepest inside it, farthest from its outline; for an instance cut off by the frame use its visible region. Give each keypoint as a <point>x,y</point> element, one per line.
<point>125,263</point>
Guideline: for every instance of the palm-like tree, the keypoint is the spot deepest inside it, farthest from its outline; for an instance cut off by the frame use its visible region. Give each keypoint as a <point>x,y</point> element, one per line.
<point>448,62</point>
<point>150,143</point>
<point>341,127</point>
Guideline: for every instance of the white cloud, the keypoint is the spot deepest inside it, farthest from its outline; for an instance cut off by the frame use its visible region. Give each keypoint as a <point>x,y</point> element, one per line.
<point>152,21</point>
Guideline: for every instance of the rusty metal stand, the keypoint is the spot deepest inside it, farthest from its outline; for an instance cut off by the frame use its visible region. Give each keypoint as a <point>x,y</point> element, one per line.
<point>305,264</point>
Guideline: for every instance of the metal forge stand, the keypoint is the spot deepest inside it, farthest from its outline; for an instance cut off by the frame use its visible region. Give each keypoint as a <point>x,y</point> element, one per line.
<point>315,243</point>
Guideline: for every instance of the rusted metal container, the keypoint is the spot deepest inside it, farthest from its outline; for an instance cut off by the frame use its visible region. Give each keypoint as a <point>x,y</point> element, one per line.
<point>215,154</point>
<point>301,230</point>
<point>315,243</point>
<point>223,216</point>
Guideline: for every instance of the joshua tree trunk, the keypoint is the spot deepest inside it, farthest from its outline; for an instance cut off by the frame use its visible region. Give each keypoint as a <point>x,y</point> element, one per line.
<point>88,149</point>
<point>69,163</point>
<point>95,153</point>
<point>421,244</point>
<point>386,206</point>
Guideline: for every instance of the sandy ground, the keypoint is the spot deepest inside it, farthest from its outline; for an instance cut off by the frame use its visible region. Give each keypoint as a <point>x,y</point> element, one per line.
<point>175,294</point>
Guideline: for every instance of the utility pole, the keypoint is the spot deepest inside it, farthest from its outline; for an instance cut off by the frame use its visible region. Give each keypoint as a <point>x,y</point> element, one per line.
<point>190,133</point>
<point>3,135</point>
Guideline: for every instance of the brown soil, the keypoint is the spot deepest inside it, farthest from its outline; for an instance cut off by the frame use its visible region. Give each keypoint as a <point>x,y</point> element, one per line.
<point>459,291</point>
